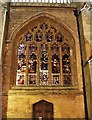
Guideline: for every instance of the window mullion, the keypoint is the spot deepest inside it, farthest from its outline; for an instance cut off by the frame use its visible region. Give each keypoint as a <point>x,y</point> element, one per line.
<point>38,64</point>
<point>16,63</point>
<point>27,57</point>
<point>61,74</point>
<point>49,65</point>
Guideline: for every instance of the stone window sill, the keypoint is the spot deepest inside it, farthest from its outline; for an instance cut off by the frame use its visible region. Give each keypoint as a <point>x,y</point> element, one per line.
<point>44,90</point>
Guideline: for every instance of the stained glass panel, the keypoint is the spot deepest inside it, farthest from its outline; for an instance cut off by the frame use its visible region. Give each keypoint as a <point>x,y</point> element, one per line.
<point>49,36</point>
<point>44,57</point>
<point>44,78</point>
<point>44,64</point>
<point>32,79</point>
<point>53,29</point>
<point>21,68</point>
<point>38,36</point>
<point>66,65</point>
<point>67,80</point>
<point>55,65</point>
<point>32,64</point>
<point>28,37</point>
<point>44,26</point>
<point>56,79</point>
<point>59,38</point>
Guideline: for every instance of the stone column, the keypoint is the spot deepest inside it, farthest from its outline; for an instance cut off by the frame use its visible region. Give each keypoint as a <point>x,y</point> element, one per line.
<point>86,20</point>
<point>0,61</point>
<point>3,10</point>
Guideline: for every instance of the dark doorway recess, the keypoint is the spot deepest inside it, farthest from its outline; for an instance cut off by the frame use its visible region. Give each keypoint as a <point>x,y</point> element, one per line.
<point>43,110</point>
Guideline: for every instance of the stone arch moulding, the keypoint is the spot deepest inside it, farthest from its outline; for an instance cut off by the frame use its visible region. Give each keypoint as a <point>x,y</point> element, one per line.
<point>30,24</point>
<point>21,29</point>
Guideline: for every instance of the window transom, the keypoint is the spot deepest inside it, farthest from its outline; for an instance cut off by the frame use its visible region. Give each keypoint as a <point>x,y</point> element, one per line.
<point>43,58</point>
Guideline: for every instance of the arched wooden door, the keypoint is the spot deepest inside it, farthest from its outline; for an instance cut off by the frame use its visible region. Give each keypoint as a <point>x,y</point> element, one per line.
<point>43,110</point>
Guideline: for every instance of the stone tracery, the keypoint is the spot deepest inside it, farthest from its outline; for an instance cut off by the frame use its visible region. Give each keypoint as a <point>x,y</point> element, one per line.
<point>48,55</point>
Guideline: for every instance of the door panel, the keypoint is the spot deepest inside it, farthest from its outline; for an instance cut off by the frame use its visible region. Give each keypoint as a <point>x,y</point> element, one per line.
<point>43,110</point>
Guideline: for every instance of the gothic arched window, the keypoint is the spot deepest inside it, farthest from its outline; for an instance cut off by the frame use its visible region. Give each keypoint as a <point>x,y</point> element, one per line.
<point>43,58</point>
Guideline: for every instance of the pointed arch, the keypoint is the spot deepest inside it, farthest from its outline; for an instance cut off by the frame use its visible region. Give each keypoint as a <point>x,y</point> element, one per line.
<point>28,24</point>
<point>43,109</point>
<point>43,28</point>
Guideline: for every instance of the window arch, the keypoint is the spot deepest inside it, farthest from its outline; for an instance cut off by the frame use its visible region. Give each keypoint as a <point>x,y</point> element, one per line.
<point>43,58</point>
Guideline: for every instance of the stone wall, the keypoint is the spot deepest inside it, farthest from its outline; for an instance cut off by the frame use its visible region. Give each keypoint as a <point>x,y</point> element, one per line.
<point>86,18</point>
<point>0,63</point>
<point>18,102</point>
<point>65,106</point>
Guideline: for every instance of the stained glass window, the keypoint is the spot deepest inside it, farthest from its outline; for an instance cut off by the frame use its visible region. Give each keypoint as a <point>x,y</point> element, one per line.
<point>43,58</point>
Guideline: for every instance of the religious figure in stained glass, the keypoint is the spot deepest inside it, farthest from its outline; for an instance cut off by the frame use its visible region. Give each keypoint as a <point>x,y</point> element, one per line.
<point>44,64</point>
<point>55,64</point>
<point>66,49</point>
<point>32,59</point>
<point>21,68</point>
<point>32,79</point>
<point>67,80</point>
<point>21,80</point>
<point>22,64</point>
<point>44,61</point>
<point>44,57</point>
<point>49,36</point>
<point>38,36</point>
<point>66,66</point>
<point>59,38</point>
<point>32,64</point>
<point>43,78</point>
<point>56,79</point>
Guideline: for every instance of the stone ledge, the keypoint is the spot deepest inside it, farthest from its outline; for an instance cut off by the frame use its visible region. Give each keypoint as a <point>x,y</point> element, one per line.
<point>29,4</point>
<point>45,90</point>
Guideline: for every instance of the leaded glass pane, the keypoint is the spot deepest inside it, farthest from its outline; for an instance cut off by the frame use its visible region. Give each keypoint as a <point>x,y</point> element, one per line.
<point>38,36</point>
<point>66,65</point>
<point>28,37</point>
<point>55,65</point>
<point>21,68</point>
<point>59,38</point>
<point>44,77</point>
<point>32,79</point>
<point>49,36</point>
<point>54,30</point>
<point>56,79</point>
<point>32,64</point>
<point>44,26</point>
<point>44,64</point>
<point>67,80</point>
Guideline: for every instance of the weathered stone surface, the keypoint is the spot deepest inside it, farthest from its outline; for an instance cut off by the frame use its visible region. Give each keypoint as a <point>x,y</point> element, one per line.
<point>17,101</point>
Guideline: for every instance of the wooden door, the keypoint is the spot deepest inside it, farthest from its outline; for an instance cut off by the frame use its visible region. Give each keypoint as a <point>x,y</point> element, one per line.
<point>43,110</point>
